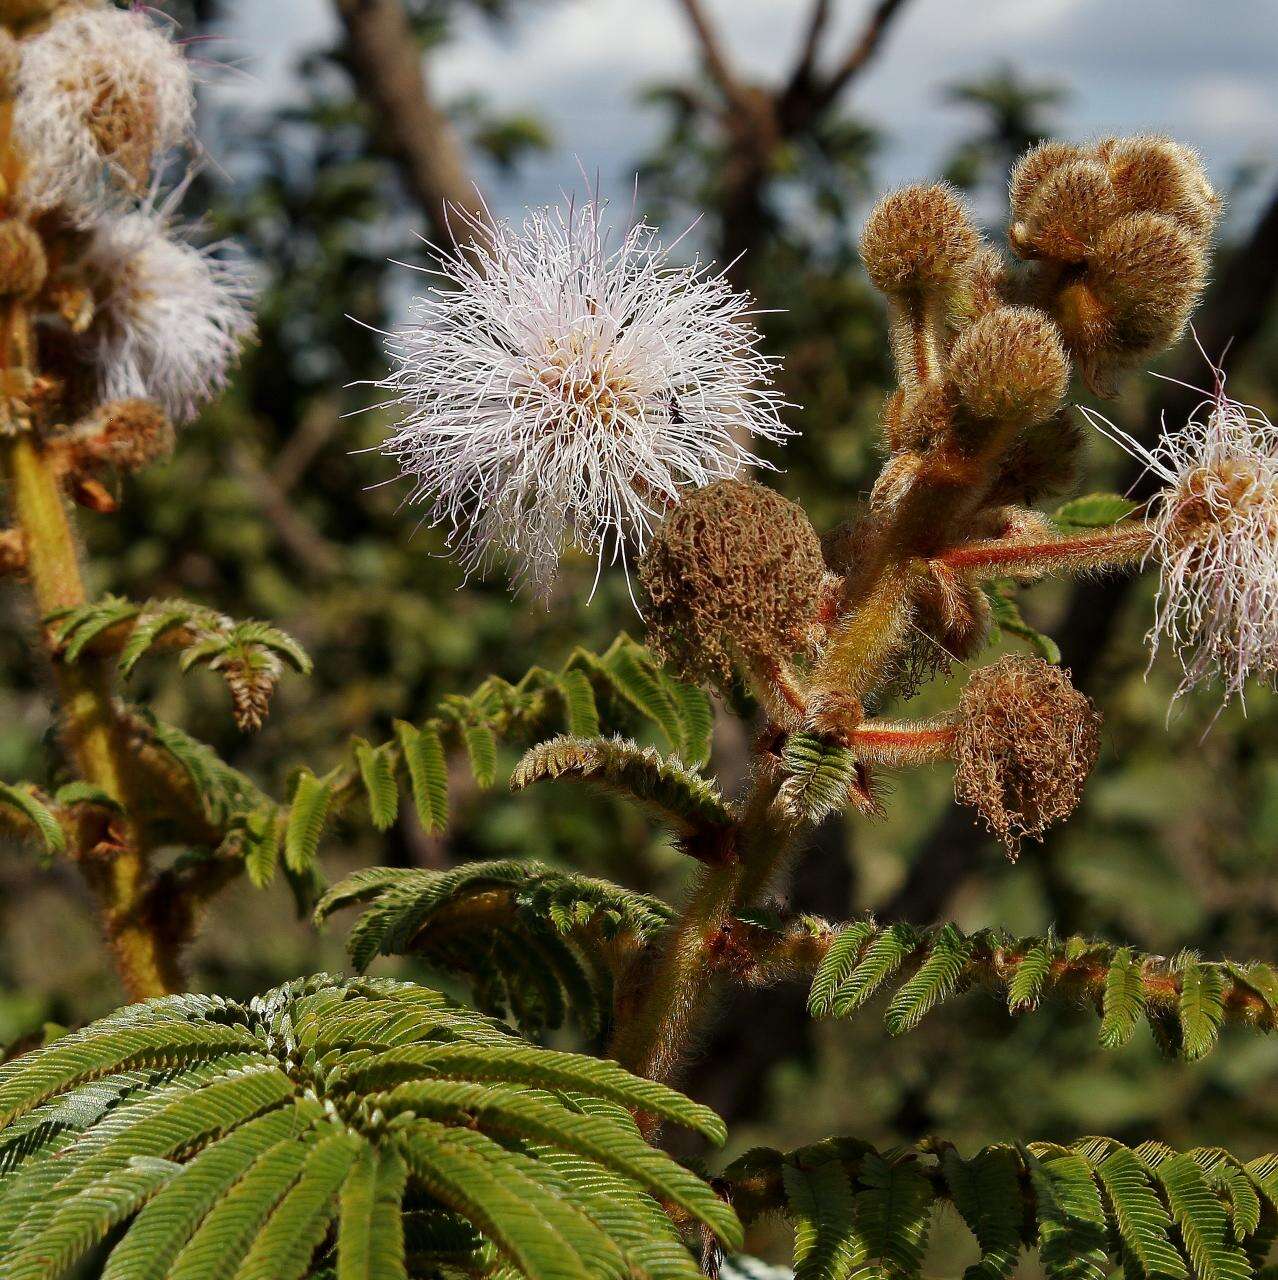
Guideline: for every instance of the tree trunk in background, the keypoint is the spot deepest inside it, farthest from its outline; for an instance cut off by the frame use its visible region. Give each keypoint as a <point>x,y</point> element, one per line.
<point>390,74</point>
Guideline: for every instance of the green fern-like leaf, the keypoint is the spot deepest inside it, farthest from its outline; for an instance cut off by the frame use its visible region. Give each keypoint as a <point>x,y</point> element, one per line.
<point>307,814</point>
<point>820,777</point>
<point>519,923</point>
<point>1093,511</point>
<point>1186,1001</point>
<point>679,797</point>
<point>1201,1006</point>
<point>1089,1208</point>
<point>822,1206</point>
<point>428,773</point>
<point>35,815</point>
<point>986,1191</point>
<point>378,775</point>
<point>220,1140</point>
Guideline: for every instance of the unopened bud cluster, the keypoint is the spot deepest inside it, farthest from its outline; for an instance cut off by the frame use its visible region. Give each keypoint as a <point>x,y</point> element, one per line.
<point>1119,234</point>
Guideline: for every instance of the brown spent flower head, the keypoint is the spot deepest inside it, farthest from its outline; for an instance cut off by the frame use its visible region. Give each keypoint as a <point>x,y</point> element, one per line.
<point>1010,367</point>
<point>129,434</point>
<point>23,265</point>
<point>734,571</point>
<point>1026,742</point>
<point>918,240</point>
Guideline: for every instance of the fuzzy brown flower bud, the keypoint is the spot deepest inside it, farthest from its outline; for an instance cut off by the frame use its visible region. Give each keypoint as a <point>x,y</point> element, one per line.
<point>1065,213</point>
<point>23,266</point>
<point>1152,174</point>
<point>1010,367</point>
<point>1030,170</point>
<point>1146,276</point>
<point>1026,742</point>
<point>919,240</point>
<point>734,572</point>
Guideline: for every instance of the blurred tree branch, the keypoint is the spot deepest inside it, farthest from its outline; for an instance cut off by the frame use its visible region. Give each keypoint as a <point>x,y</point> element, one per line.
<point>1235,311</point>
<point>758,121</point>
<point>390,74</point>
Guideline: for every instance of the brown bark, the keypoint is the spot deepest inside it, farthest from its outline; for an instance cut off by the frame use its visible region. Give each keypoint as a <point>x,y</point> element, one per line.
<point>390,74</point>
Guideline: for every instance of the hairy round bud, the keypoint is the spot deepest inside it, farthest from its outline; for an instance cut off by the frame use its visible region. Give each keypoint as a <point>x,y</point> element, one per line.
<point>23,265</point>
<point>1034,166</point>
<point>1010,366</point>
<point>1065,213</point>
<point>1027,740</point>
<point>1153,174</point>
<point>1146,277</point>
<point>734,571</point>
<point>920,418</point>
<point>918,239</point>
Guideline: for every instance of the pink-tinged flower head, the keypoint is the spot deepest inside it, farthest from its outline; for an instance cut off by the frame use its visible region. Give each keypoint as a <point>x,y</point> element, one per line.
<point>1216,536</point>
<point>170,317</point>
<point>556,389</point>
<point>103,95</point>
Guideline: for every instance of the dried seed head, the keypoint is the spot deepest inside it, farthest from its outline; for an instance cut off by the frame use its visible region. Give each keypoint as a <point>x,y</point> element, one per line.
<point>1010,366</point>
<point>1027,740</point>
<point>734,571</point>
<point>23,266</point>
<point>1065,213</point>
<point>1152,174</point>
<point>129,434</point>
<point>918,240</point>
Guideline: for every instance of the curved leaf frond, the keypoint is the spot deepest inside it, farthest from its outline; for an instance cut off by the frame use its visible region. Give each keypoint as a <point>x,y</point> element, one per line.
<point>369,1129</point>
<point>1185,999</point>
<point>532,940</point>
<point>1088,1208</point>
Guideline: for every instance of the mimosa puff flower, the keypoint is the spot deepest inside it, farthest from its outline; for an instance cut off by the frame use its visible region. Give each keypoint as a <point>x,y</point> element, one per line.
<point>102,96</point>
<point>170,318</point>
<point>556,389</point>
<point>1215,530</point>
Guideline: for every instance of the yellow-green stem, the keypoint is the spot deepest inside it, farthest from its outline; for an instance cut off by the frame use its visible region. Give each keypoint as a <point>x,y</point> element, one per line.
<point>119,874</point>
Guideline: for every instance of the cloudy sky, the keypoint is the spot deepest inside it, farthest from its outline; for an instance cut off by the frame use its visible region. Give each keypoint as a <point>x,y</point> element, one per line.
<point>1203,70</point>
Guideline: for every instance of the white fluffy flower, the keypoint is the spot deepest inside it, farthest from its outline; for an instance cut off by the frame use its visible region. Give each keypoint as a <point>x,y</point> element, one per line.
<point>1215,530</point>
<point>170,318</point>
<point>558,389</point>
<point>103,94</point>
